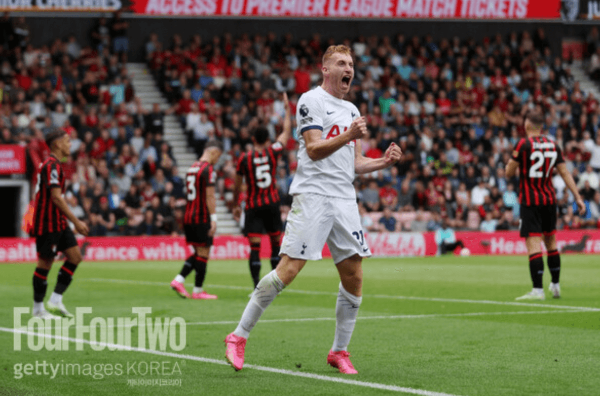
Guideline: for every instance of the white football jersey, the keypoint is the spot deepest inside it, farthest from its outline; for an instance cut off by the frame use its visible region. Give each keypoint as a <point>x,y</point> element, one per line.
<point>331,176</point>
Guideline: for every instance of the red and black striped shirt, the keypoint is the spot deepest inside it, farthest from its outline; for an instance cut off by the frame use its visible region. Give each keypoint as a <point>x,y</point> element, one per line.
<point>47,217</point>
<point>198,178</point>
<point>259,167</point>
<point>537,157</point>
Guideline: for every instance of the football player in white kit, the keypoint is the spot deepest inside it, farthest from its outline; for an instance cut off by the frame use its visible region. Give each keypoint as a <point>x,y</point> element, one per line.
<point>324,208</point>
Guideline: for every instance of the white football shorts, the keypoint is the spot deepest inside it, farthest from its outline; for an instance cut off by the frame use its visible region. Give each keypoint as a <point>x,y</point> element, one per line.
<point>315,219</point>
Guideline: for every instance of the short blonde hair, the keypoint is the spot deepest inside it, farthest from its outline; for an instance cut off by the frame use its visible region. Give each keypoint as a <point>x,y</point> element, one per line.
<point>336,49</point>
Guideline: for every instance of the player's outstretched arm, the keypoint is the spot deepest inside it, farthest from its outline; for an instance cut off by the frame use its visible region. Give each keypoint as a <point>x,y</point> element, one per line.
<point>363,164</point>
<point>564,173</point>
<point>511,168</point>
<point>60,202</point>
<point>319,148</point>
<point>287,123</point>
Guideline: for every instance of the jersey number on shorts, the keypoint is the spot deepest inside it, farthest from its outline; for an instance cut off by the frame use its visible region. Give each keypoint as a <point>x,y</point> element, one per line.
<point>263,172</point>
<point>359,235</point>
<point>191,187</point>
<point>538,158</point>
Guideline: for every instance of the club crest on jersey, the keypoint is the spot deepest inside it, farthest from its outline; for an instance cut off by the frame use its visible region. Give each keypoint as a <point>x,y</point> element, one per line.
<point>303,110</point>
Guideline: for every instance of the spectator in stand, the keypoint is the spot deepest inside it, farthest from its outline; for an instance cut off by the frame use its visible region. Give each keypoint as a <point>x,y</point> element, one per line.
<point>137,141</point>
<point>387,222</point>
<point>419,224</point>
<point>114,198</point>
<point>405,198</point>
<point>388,196</point>
<point>148,152</point>
<point>489,223</point>
<point>506,221</point>
<point>370,197</point>
<point>148,226</point>
<point>590,177</point>
<point>75,207</point>
<point>155,120</point>
<point>103,220</point>
<point>587,192</point>
<point>100,35</point>
<point>479,193</point>
<point>6,137</point>
<point>202,132</point>
<point>367,222</point>
<point>118,32</point>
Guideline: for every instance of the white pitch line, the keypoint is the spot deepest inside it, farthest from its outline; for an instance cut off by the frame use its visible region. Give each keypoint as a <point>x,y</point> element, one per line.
<point>372,385</point>
<point>424,316</point>
<point>312,292</point>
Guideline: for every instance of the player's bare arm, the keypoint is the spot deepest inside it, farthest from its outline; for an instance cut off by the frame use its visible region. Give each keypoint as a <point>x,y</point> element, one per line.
<point>564,173</point>
<point>211,204</point>
<point>237,188</point>
<point>60,202</point>
<point>363,164</point>
<point>511,168</point>
<point>287,123</point>
<point>318,148</point>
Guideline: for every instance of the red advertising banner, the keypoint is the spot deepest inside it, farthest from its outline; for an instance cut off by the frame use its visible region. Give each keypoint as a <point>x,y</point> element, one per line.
<point>12,159</point>
<point>15,250</point>
<point>435,9</point>
<point>509,242</point>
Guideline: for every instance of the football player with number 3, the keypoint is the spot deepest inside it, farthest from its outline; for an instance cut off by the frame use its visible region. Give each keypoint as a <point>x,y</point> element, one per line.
<point>50,229</point>
<point>324,207</point>
<point>535,158</point>
<point>200,220</point>
<point>259,168</point>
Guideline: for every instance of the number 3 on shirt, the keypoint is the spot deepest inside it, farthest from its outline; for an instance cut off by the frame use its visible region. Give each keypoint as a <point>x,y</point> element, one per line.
<point>263,174</point>
<point>539,158</point>
<point>191,187</point>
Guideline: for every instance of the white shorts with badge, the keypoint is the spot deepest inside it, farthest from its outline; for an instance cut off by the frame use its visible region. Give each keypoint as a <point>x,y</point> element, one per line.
<point>315,219</point>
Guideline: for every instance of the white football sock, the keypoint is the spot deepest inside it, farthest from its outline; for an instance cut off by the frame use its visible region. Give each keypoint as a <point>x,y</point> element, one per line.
<point>56,298</point>
<point>38,306</point>
<point>346,310</point>
<point>267,289</point>
<point>180,279</point>
<point>197,290</point>
<point>538,291</point>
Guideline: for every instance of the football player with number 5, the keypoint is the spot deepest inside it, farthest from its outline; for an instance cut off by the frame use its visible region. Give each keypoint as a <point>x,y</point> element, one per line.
<point>259,167</point>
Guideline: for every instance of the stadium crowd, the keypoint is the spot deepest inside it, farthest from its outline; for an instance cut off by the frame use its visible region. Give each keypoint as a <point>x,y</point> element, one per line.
<point>455,107</point>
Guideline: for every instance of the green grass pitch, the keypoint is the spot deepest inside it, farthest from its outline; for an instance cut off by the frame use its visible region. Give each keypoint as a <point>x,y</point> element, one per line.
<point>427,326</point>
